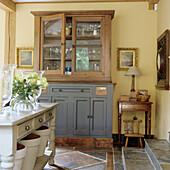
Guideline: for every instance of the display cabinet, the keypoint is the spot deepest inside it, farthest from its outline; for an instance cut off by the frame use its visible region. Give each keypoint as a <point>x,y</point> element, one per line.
<point>73,45</point>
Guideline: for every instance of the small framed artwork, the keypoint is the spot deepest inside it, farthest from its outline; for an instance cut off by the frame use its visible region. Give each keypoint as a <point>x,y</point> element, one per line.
<point>127,57</point>
<point>25,58</point>
<point>143,92</point>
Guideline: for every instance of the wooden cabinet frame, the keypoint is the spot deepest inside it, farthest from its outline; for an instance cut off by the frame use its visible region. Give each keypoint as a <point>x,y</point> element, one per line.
<point>91,76</point>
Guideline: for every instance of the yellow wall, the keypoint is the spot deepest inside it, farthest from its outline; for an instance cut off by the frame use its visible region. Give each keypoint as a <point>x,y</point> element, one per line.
<point>2,35</point>
<point>133,26</point>
<point>163,96</point>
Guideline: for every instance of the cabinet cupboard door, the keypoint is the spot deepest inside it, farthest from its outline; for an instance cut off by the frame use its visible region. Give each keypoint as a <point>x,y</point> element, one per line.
<point>62,115</point>
<point>81,116</point>
<point>99,113</point>
<point>88,46</point>
<point>53,43</point>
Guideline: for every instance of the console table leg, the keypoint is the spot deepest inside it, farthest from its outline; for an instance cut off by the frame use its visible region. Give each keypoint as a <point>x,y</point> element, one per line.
<point>7,162</point>
<point>52,137</point>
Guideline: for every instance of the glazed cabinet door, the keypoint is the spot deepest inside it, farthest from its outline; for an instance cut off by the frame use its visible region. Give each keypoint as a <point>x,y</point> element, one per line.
<point>62,115</point>
<point>52,50</point>
<point>98,118</point>
<point>88,44</point>
<point>81,116</point>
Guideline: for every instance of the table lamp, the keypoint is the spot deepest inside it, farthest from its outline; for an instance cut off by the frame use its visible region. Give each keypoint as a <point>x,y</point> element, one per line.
<point>133,71</point>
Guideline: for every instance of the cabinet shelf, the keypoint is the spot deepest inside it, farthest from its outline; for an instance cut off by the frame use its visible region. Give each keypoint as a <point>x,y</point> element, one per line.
<point>88,37</point>
<point>58,59</point>
<point>69,37</point>
<point>56,37</point>
<point>94,59</point>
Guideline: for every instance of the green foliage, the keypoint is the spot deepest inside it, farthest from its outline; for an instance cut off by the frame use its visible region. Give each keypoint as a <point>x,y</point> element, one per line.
<point>26,88</point>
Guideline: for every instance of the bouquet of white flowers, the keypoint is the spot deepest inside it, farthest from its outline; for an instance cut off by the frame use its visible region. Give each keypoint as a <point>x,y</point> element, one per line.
<point>25,88</point>
<point>26,91</point>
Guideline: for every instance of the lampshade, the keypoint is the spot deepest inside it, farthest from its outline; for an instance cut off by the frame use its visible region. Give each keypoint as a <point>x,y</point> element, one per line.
<point>133,71</point>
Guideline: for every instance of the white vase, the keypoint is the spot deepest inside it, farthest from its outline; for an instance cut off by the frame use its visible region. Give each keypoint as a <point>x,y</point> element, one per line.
<point>19,157</point>
<point>32,143</point>
<point>44,132</point>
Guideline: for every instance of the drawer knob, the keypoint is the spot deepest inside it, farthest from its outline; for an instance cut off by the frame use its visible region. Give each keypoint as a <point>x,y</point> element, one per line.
<point>82,90</point>
<point>60,90</point>
<point>50,114</point>
<point>27,128</point>
<point>40,119</point>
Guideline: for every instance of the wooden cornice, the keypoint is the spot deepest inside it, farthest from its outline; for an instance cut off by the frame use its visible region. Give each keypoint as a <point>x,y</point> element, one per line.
<point>152,3</point>
<point>8,5</point>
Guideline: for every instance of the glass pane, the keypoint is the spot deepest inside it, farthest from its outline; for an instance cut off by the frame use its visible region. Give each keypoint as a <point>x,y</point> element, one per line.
<point>68,49</point>
<point>52,31</point>
<point>88,32</point>
<point>88,58</point>
<point>52,58</point>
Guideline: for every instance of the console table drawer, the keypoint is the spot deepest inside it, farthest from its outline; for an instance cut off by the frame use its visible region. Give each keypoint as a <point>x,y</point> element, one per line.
<point>70,90</point>
<point>24,128</point>
<point>39,120</point>
<point>134,107</point>
<point>49,115</point>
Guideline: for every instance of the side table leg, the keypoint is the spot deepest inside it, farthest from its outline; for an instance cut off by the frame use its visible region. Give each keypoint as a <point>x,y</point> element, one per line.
<point>7,162</point>
<point>146,123</point>
<point>52,136</point>
<point>149,117</point>
<point>119,121</point>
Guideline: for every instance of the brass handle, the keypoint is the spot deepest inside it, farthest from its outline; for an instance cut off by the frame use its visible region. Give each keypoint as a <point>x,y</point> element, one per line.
<point>27,128</point>
<point>50,114</point>
<point>40,119</point>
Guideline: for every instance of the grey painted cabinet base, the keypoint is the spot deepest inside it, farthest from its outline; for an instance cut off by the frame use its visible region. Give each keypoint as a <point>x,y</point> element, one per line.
<point>83,111</point>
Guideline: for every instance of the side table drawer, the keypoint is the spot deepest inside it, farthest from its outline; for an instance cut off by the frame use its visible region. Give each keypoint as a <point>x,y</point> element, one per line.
<point>134,107</point>
<point>39,120</point>
<point>24,128</point>
<point>49,115</point>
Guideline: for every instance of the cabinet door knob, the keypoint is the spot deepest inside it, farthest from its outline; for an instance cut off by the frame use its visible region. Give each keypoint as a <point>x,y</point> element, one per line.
<point>61,43</point>
<point>27,128</point>
<point>82,90</point>
<point>73,46</point>
<point>60,90</point>
<point>88,116</point>
<point>40,119</point>
<point>50,114</point>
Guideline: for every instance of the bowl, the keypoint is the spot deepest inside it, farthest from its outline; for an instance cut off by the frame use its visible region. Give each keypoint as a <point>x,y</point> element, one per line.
<point>143,98</point>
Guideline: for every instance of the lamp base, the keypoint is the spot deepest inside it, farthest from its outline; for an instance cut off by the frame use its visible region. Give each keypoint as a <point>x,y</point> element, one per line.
<point>132,96</point>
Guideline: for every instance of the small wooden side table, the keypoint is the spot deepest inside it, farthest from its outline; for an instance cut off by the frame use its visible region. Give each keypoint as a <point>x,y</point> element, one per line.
<point>135,106</point>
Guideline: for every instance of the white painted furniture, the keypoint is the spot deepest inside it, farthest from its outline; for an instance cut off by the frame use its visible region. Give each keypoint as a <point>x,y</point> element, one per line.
<point>15,126</point>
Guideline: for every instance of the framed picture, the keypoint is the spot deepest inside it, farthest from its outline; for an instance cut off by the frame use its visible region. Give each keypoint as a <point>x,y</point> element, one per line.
<point>127,57</point>
<point>144,92</point>
<point>25,58</point>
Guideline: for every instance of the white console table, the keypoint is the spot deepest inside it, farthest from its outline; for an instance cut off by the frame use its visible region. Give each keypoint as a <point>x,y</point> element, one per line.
<point>15,126</point>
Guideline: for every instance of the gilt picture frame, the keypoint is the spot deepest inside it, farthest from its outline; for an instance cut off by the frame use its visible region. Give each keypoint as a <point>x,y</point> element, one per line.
<point>25,58</point>
<point>127,57</point>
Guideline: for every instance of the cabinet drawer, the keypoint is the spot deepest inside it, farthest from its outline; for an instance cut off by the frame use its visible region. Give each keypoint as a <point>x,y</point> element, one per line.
<point>72,90</point>
<point>24,128</point>
<point>134,107</point>
<point>39,120</point>
<point>49,115</point>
